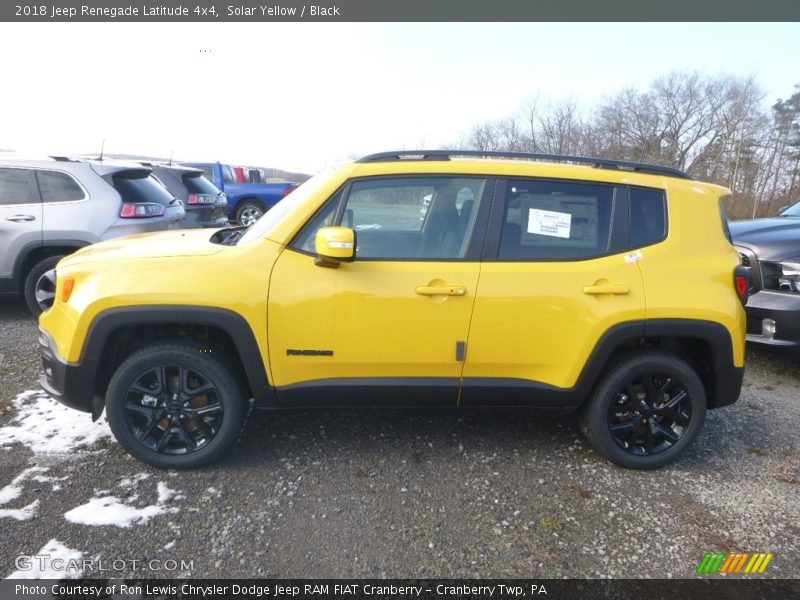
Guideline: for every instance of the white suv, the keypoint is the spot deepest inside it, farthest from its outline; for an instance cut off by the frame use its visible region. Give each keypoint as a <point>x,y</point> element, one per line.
<point>51,206</point>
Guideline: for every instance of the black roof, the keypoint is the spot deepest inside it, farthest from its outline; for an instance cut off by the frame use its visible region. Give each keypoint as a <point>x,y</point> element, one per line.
<point>600,163</point>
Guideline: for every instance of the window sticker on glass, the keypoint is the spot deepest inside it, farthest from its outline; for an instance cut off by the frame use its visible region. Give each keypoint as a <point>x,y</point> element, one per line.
<point>548,222</point>
<point>559,220</point>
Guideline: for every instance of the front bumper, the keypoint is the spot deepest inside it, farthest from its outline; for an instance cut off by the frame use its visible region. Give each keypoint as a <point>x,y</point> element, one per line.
<point>781,307</point>
<point>67,383</point>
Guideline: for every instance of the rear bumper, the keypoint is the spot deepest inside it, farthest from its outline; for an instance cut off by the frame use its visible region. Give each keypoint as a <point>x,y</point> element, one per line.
<point>781,307</point>
<point>70,384</point>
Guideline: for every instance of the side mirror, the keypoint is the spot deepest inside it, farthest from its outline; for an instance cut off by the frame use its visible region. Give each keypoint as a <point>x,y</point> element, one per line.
<point>334,245</point>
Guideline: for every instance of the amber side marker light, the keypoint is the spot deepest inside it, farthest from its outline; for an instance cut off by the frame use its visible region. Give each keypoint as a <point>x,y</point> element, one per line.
<point>66,288</point>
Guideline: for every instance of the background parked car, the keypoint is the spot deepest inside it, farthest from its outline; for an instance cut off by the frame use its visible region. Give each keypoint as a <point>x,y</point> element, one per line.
<point>771,248</point>
<point>50,207</point>
<point>206,205</point>
<point>246,201</point>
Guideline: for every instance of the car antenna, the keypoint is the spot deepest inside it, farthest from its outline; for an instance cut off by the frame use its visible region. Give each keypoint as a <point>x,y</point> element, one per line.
<point>102,147</point>
<point>171,152</point>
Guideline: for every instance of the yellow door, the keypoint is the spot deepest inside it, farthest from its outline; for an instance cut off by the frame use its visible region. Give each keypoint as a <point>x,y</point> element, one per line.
<point>554,287</point>
<point>391,326</point>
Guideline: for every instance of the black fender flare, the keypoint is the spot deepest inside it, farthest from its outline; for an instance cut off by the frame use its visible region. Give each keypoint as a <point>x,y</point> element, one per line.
<point>236,326</point>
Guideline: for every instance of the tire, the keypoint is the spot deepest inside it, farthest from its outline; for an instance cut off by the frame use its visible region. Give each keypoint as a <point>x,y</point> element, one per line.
<point>40,285</point>
<point>646,411</point>
<point>249,212</point>
<point>174,426</point>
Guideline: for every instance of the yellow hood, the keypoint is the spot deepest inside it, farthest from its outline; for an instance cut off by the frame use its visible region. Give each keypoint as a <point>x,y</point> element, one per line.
<point>192,242</point>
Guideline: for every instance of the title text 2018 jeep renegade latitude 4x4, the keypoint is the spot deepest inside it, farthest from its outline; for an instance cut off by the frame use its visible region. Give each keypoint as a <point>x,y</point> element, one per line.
<point>416,278</point>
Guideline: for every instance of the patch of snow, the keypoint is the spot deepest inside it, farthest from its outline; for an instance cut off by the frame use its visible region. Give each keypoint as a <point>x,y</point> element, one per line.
<point>47,427</point>
<point>165,494</point>
<point>12,490</point>
<point>20,514</point>
<point>43,569</point>
<point>133,480</point>
<point>109,510</point>
<point>170,545</point>
<point>46,479</point>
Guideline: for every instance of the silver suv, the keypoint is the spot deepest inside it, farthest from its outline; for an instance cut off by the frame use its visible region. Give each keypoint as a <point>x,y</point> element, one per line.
<point>51,206</point>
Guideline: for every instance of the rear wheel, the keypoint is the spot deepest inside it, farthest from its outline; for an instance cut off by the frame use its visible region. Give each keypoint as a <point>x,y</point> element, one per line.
<point>646,411</point>
<point>175,405</point>
<point>40,285</point>
<point>249,212</point>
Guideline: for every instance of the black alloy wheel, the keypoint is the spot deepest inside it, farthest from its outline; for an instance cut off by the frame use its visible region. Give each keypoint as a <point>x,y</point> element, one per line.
<point>176,405</point>
<point>646,411</point>
<point>173,409</point>
<point>650,414</point>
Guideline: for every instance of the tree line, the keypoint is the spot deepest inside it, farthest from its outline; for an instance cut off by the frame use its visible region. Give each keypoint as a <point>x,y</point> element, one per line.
<point>717,129</point>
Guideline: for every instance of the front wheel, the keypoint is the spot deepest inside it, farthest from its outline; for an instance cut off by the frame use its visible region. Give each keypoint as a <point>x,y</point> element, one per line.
<point>646,411</point>
<point>249,212</point>
<point>175,405</point>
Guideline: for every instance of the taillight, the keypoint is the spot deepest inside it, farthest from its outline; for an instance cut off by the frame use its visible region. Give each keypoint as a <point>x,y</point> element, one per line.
<point>741,282</point>
<point>288,191</point>
<point>200,199</point>
<point>131,210</point>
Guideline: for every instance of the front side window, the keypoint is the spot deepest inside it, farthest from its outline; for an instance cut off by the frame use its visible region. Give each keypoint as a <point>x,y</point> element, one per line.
<point>15,186</point>
<point>410,218</point>
<point>554,220</point>
<point>55,186</point>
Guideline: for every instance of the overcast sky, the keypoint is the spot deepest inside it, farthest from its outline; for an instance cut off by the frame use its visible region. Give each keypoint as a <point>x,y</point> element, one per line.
<point>298,96</point>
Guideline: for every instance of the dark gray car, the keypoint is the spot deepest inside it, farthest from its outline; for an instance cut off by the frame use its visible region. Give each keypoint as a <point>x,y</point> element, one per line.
<point>206,205</point>
<point>771,248</point>
<point>50,207</point>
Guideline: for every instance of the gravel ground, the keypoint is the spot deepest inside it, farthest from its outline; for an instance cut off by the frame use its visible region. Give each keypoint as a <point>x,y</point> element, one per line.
<point>419,494</point>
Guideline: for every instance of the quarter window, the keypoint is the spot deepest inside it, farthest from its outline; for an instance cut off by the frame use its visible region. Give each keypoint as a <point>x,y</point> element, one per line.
<point>55,186</point>
<point>648,218</point>
<point>551,220</point>
<point>15,186</point>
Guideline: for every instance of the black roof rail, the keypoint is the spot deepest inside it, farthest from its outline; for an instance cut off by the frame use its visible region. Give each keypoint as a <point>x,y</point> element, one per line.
<point>64,159</point>
<point>600,163</point>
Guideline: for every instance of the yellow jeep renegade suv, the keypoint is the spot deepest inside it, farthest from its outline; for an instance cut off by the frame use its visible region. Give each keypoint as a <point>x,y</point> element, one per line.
<point>430,278</point>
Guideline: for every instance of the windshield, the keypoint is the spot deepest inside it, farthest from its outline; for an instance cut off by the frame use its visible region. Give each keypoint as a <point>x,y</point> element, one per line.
<point>285,206</point>
<point>792,211</point>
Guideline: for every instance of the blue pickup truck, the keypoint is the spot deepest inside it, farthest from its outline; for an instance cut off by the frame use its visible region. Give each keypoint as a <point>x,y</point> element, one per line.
<point>246,201</point>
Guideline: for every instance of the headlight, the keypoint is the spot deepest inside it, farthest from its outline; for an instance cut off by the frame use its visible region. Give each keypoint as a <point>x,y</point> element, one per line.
<point>781,276</point>
<point>790,282</point>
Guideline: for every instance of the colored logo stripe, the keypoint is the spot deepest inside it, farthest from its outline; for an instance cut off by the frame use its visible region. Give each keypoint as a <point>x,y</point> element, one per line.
<point>736,562</point>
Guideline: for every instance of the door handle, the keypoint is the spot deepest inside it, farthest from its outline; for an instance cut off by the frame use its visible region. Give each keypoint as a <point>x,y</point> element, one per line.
<point>608,288</point>
<point>441,290</point>
<point>18,218</point>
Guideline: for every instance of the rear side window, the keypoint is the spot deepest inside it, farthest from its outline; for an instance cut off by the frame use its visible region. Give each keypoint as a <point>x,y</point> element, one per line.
<point>196,183</point>
<point>228,176</point>
<point>15,186</point>
<point>554,220</point>
<point>55,186</point>
<point>648,216</point>
<point>139,187</point>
